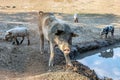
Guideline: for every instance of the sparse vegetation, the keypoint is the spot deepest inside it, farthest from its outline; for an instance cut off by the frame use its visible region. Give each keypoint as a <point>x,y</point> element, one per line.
<point>64,6</point>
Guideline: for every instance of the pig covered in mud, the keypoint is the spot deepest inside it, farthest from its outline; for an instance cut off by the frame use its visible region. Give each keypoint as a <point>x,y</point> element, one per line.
<point>57,33</point>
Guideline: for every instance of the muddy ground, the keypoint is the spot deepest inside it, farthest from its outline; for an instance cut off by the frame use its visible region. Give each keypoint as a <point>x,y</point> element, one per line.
<point>26,63</point>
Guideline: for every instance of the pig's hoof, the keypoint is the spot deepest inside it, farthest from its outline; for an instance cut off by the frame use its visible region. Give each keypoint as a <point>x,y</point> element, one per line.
<point>13,43</point>
<point>41,52</point>
<point>17,43</point>
<point>70,64</point>
<point>75,68</point>
<point>49,70</point>
<point>50,65</point>
<point>28,44</point>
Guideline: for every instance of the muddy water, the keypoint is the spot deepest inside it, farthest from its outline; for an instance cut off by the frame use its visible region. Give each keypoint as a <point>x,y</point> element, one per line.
<point>105,61</point>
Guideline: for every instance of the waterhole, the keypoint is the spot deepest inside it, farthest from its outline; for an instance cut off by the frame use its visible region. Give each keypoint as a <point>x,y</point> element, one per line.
<point>105,61</point>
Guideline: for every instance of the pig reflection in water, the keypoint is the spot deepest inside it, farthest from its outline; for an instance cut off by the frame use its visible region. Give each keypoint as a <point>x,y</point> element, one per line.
<point>57,33</point>
<point>107,54</point>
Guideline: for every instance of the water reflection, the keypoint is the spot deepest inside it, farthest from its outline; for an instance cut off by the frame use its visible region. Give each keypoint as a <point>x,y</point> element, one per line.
<point>106,63</point>
<point>107,53</point>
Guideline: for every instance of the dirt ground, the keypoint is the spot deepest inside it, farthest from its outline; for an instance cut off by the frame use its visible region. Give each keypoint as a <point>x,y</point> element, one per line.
<point>26,63</point>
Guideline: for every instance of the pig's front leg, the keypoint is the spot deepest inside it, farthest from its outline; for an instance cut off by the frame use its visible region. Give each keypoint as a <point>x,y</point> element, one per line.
<point>106,35</point>
<point>67,58</point>
<point>41,43</point>
<point>51,59</point>
<point>112,34</point>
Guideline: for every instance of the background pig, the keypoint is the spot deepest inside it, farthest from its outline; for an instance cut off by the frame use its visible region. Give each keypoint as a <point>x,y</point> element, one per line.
<point>57,33</point>
<point>75,18</point>
<point>106,30</point>
<point>17,32</point>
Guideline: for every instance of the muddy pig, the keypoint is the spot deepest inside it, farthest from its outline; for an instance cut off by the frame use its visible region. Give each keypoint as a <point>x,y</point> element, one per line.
<point>106,30</point>
<point>57,33</point>
<point>17,32</point>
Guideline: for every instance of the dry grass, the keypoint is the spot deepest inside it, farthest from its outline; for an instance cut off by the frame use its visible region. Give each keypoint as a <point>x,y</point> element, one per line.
<point>64,6</point>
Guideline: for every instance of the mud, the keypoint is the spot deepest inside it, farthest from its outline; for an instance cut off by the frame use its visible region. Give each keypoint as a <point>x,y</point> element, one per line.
<point>87,46</point>
<point>21,61</point>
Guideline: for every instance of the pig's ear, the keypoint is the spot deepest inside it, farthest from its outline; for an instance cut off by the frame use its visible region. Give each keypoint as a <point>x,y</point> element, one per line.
<point>9,33</point>
<point>74,35</point>
<point>41,12</point>
<point>59,32</point>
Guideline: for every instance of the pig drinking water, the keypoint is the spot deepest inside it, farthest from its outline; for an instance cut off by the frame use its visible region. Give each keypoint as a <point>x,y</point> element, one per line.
<point>57,33</point>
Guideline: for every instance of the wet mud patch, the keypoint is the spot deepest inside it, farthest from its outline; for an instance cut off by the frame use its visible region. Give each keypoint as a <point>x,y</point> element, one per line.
<point>60,65</point>
<point>87,46</point>
<point>77,68</point>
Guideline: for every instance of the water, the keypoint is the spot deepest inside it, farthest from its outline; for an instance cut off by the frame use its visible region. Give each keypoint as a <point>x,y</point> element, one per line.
<point>105,61</point>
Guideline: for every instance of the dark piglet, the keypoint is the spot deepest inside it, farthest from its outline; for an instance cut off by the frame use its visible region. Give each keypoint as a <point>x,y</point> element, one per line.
<point>107,29</point>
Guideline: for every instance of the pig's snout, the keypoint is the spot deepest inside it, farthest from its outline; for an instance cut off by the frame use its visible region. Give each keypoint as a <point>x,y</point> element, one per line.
<point>66,50</point>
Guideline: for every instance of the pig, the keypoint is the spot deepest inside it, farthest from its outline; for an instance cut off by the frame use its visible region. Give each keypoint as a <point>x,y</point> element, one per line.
<point>107,29</point>
<point>75,18</point>
<point>17,32</point>
<point>58,34</point>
